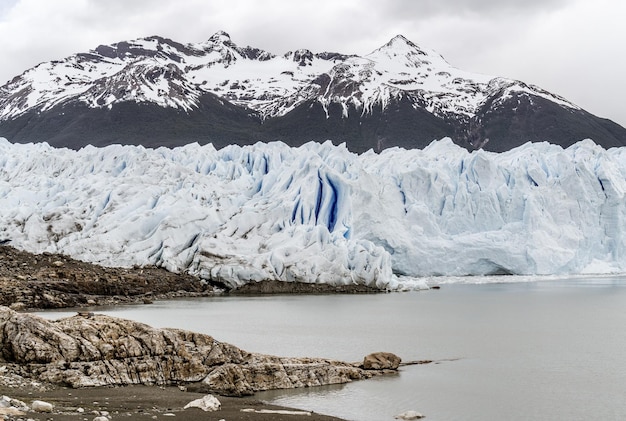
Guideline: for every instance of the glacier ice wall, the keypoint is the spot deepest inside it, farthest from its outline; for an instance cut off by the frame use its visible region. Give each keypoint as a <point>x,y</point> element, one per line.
<point>319,213</point>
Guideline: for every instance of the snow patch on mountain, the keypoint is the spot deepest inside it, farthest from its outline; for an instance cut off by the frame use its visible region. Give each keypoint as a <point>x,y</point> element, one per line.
<point>319,213</point>
<point>161,71</point>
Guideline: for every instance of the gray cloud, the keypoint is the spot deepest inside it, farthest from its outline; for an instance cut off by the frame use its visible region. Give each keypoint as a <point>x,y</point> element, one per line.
<point>423,9</point>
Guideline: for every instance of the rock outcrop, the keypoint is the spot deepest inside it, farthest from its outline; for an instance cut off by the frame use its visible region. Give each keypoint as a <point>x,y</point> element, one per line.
<point>97,350</point>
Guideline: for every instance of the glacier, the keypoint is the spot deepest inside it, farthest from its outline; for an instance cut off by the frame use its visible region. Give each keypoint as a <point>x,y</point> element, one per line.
<point>319,213</point>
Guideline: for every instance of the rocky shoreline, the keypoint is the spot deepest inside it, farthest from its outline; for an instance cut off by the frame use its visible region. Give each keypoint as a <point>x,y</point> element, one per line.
<point>88,351</point>
<point>51,281</point>
<point>78,362</point>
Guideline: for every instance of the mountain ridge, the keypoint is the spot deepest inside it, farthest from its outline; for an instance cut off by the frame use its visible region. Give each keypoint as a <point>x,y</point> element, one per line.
<point>400,94</point>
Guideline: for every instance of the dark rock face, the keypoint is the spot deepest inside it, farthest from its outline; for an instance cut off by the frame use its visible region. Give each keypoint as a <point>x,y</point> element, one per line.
<point>399,125</point>
<point>76,125</point>
<point>524,118</point>
<point>222,123</point>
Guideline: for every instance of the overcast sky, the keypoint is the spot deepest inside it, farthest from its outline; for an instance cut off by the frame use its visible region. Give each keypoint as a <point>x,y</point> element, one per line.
<point>574,48</point>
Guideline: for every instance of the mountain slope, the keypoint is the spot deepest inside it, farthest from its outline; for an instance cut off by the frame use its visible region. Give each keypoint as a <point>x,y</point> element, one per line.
<point>155,92</point>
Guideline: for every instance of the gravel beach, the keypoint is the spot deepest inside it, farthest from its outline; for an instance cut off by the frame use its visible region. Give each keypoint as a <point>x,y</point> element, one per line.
<point>145,403</point>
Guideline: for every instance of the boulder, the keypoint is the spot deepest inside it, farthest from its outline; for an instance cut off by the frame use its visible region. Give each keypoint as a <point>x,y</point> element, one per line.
<point>381,361</point>
<point>206,403</point>
<point>41,406</point>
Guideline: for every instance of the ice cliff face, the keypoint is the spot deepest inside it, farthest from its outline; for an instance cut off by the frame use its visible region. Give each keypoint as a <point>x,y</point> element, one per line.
<point>319,213</point>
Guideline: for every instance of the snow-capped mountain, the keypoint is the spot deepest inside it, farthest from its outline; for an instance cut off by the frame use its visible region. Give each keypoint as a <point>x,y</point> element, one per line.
<point>154,91</point>
<point>319,213</point>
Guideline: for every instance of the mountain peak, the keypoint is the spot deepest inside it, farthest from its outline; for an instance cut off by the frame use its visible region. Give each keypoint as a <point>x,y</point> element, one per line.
<point>221,44</point>
<point>400,39</point>
<point>400,42</point>
<point>399,51</point>
<point>219,40</point>
<point>220,36</point>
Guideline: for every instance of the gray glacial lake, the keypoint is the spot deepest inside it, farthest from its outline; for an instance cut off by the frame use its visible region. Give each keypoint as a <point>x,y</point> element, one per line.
<point>544,350</point>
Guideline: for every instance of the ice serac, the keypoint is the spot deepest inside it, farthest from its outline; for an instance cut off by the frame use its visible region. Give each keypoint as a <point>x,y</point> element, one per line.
<point>319,213</point>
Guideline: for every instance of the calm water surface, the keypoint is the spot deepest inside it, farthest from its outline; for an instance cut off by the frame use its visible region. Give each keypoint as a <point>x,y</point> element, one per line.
<point>548,350</point>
